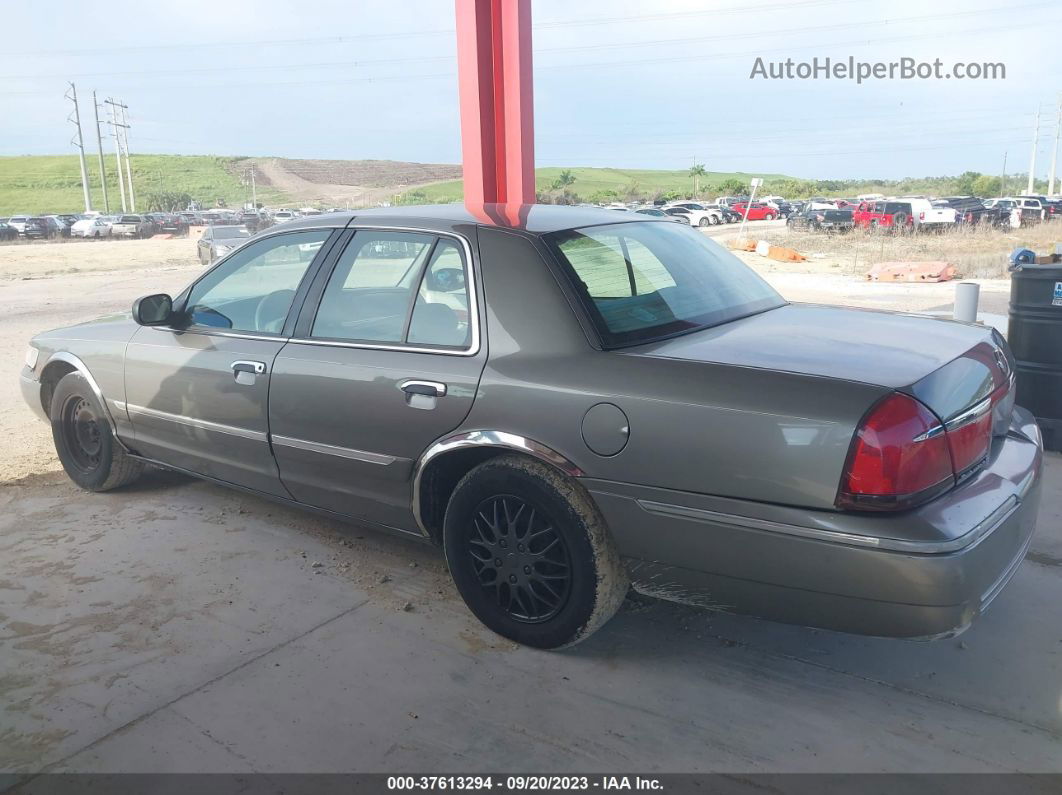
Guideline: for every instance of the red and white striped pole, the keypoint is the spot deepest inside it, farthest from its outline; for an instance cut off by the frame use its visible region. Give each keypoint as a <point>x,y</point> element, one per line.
<point>497,106</point>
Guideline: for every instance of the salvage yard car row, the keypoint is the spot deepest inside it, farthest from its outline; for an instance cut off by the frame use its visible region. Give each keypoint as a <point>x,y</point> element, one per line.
<point>918,213</point>
<point>137,225</point>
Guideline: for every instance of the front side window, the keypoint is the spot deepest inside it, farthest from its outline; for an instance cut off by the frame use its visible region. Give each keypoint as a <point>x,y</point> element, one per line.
<point>253,289</point>
<point>643,281</point>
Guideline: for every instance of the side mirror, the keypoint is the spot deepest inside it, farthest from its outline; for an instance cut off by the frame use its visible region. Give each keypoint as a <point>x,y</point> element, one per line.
<point>153,310</point>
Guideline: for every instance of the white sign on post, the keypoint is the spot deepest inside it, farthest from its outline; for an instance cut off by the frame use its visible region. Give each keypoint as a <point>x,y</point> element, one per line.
<point>755,183</point>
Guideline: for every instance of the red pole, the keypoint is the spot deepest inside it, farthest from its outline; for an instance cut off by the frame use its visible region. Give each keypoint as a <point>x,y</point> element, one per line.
<point>497,103</point>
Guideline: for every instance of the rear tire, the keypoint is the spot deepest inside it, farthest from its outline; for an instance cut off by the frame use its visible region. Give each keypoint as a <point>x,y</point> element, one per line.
<point>87,449</point>
<point>531,554</point>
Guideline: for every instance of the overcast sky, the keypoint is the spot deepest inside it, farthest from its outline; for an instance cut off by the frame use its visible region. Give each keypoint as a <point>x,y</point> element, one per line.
<point>617,82</point>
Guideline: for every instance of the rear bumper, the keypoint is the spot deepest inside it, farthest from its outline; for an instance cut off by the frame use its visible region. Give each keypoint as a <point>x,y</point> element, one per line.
<point>922,574</point>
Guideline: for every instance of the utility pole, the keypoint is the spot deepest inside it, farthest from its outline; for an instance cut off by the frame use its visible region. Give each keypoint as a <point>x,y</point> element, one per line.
<point>1003,178</point>
<point>254,190</point>
<point>128,168</point>
<point>75,119</point>
<point>115,124</point>
<point>99,143</point>
<point>1054,149</point>
<point>1032,157</point>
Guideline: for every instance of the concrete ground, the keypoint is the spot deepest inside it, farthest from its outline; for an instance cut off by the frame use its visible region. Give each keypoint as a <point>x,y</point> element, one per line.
<point>178,626</point>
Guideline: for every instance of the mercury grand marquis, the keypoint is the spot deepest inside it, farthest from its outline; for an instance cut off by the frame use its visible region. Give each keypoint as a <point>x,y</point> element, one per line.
<point>571,401</point>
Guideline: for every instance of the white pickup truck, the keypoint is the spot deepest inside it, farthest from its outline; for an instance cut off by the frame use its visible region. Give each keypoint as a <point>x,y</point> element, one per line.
<point>930,216</point>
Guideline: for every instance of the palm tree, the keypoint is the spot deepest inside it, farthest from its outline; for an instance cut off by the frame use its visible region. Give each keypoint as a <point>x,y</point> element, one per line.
<point>565,179</point>
<point>697,171</point>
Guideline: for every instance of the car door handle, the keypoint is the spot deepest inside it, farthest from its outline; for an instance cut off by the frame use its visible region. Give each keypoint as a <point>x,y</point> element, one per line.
<point>255,368</point>
<point>427,388</point>
<point>246,373</point>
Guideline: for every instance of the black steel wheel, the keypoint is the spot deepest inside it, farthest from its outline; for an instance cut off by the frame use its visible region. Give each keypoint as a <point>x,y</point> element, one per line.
<point>84,442</point>
<point>520,558</point>
<point>82,433</point>
<point>530,553</point>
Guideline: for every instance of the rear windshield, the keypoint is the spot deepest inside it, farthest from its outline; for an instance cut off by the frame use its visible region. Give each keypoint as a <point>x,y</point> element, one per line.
<point>647,280</point>
<point>226,232</point>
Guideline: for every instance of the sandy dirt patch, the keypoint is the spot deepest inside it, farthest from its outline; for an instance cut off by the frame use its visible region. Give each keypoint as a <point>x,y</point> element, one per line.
<point>35,260</point>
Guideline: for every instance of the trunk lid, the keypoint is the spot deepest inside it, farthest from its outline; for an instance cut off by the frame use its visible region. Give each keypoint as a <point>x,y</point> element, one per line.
<point>948,366</point>
<point>888,349</point>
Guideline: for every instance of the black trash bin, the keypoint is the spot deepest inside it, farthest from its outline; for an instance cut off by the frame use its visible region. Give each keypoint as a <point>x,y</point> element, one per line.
<point>1035,336</point>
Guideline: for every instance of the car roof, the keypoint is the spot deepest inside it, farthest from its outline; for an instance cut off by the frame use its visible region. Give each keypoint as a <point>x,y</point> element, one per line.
<point>533,218</point>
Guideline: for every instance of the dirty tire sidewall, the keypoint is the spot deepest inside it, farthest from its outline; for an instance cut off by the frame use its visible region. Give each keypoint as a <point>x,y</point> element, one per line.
<point>116,468</point>
<point>599,581</point>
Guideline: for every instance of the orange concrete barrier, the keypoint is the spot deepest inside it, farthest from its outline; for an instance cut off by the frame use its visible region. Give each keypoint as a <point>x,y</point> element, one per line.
<point>934,271</point>
<point>783,254</point>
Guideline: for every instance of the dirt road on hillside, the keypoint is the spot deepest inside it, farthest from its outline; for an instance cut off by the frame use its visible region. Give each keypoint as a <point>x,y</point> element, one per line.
<point>342,183</point>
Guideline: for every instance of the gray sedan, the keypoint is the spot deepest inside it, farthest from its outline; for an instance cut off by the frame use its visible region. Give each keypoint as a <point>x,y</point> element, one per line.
<point>572,401</point>
<point>217,241</point>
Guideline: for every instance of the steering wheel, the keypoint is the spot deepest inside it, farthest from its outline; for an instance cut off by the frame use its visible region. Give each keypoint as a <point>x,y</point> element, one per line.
<point>446,280</point>
<point>272,310</point>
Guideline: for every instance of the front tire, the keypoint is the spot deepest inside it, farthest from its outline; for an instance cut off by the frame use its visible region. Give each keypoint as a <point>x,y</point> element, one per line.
<point>531,554</point>
<point>87,449</point>
<point>704,221</point>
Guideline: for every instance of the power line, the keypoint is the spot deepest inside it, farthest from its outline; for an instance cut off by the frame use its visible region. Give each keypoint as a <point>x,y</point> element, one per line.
<point>324,40</point>
<point>570,48</point>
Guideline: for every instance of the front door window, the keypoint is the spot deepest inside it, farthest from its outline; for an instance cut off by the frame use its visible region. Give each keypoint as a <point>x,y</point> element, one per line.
<point>253,289</point>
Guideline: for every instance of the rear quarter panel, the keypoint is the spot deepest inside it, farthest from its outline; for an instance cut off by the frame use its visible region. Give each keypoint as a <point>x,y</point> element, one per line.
<point>707,428</point>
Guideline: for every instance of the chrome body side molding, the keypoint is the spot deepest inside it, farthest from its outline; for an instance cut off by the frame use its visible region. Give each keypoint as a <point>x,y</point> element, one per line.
<point>984,528</point>
<point>81,367</point>
<point>330,449</point>
<point>192,422</point>
<point>484,438</point>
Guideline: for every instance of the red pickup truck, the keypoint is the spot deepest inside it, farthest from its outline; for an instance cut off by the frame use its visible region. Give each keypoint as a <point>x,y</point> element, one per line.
<point>758,211</point>
<point>891,215</point>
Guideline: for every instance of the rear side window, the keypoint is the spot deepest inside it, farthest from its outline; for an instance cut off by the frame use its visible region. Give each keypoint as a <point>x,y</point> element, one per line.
<point>440,312</point>
<point>643,281</point>
<point>398,288</point>
<point>370,292</point>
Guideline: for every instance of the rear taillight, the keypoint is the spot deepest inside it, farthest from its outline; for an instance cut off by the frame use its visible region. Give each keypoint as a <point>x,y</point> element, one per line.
<point>969,435</point>
<point>899,458</point>
<point>921,216</point>
<point>903,455</point>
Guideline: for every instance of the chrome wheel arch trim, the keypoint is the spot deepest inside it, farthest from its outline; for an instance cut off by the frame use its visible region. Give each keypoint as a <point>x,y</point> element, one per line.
<point>484,438</point>
<point>81,367</point>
